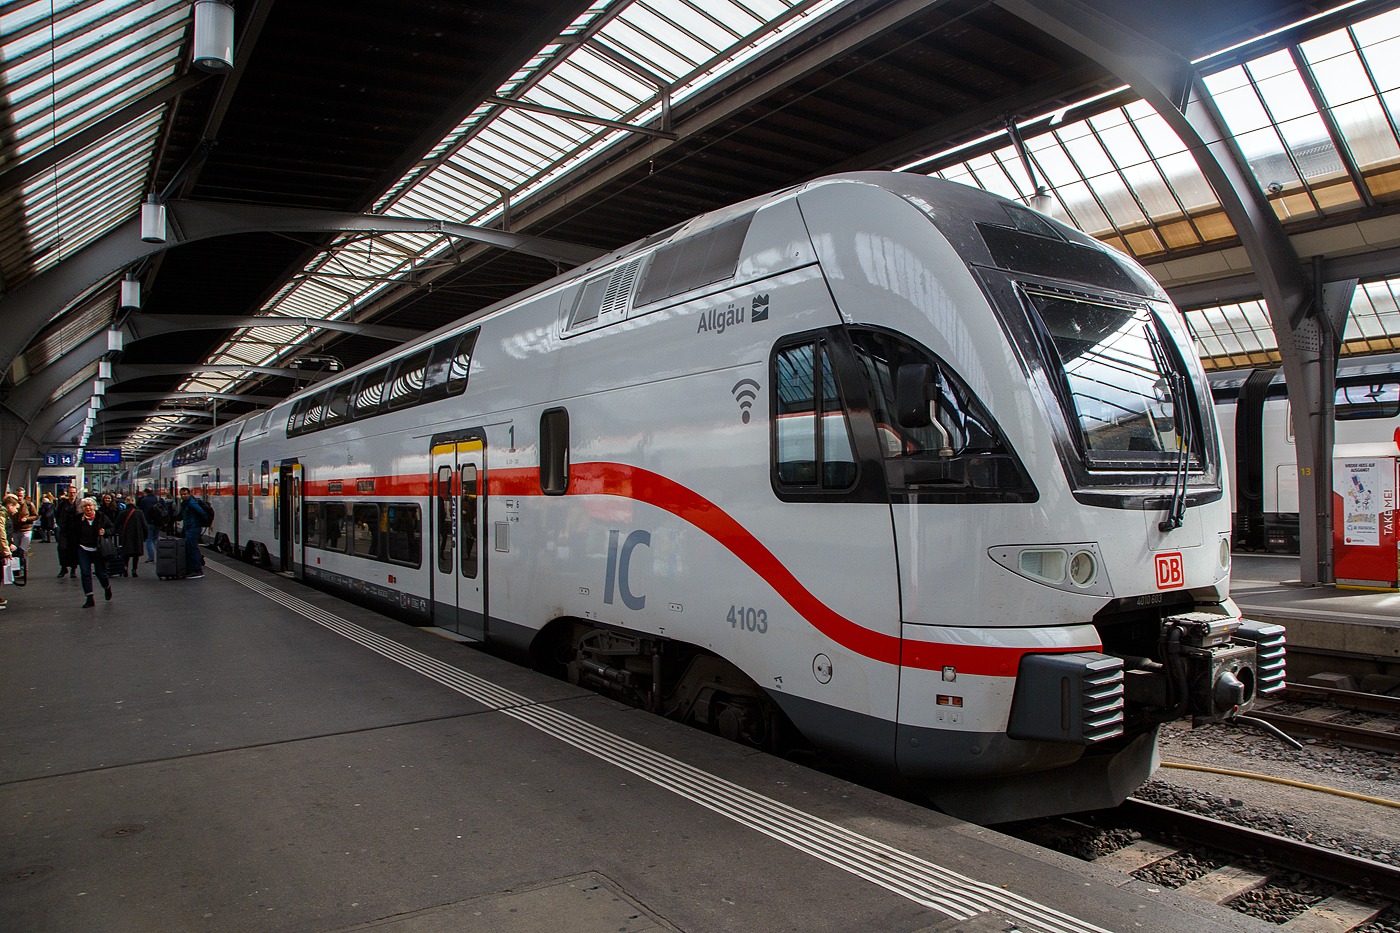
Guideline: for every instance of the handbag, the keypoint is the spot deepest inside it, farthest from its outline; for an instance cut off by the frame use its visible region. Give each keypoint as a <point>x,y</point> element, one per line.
<point>107,547</point>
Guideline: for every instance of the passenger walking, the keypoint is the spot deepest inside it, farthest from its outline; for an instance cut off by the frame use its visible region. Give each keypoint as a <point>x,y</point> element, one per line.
<point>6,551</point>
<point>25,517</point>
<point>154,512</point>
<point>193,518</point>
<point>92,528</point>
<point>67,515</point>
<point>132,534</point>
<point>46,516</point>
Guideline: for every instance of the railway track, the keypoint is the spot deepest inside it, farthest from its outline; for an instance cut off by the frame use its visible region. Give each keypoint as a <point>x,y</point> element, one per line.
<point>1359,720</point>
<point>1256,859</point>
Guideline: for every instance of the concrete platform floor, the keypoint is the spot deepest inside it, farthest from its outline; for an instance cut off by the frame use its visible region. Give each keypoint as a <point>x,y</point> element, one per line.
<point>244,753</point>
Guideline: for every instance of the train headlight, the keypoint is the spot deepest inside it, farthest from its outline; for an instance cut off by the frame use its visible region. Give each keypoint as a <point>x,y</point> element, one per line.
<point>1044,564</point>
<point>1074,568</point>
<point>1223,558</point>
<point>1083,568</point>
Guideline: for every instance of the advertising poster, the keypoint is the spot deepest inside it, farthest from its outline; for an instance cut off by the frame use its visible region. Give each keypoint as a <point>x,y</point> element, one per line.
<point>1364,513</point>
<point>1358,483</point>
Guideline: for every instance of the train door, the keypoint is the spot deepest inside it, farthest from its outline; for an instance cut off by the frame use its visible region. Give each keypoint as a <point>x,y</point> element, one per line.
<point>287,517</point>
<point>459,505</point>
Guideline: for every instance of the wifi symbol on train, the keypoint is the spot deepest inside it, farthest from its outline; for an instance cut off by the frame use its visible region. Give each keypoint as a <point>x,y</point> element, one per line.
<point>745,391</point>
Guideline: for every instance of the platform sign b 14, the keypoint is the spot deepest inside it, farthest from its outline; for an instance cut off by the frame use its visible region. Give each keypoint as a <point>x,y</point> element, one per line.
<point>1363,528</point>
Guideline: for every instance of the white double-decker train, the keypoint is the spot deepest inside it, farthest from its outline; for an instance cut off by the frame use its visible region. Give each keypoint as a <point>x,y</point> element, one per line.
<point>879,463</point>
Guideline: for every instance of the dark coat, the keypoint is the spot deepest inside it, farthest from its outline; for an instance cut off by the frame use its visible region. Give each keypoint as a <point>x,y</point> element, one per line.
<point>68,537</point>
<point>131,530</point>
<point>89,533</point>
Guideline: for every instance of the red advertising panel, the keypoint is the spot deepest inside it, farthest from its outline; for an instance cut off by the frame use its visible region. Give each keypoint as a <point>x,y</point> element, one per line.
<point>1364,541</point>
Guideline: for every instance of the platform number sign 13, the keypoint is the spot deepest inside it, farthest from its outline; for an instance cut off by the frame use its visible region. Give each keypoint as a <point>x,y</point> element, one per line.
<point>1170,575</point>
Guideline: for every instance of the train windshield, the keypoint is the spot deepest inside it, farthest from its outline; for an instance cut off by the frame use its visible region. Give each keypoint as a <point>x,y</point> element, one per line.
<point>1121,379</point>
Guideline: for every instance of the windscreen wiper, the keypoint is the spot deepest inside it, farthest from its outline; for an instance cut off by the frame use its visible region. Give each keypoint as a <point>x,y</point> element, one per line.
<point>1176,385</point>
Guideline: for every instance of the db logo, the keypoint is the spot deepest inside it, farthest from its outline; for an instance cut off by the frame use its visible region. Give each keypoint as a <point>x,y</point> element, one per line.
<point>1169,573</point>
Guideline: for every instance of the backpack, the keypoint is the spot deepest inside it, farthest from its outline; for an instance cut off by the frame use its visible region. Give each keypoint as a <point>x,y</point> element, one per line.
<point>208,511</point>
<point>159,518</point>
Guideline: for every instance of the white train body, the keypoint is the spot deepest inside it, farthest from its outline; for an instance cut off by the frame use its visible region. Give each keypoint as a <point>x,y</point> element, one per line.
<point>1367,406</point>
<point>669,508</point>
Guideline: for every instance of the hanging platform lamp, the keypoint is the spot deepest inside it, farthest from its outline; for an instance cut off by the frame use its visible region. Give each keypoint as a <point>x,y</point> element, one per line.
<point>213,36</point>
<point>152,221</point>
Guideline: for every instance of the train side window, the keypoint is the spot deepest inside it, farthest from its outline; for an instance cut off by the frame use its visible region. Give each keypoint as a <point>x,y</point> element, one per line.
<point>369,393</point>
<point>333,525</point>
<point>444,519</point>
<point>218,486</point>
<point>435,374</point>
<point>589,301</point>
<point>312,523</point>
<point>406,382</point>
<point>364,532</point>
<point>204,485</point>
<point>315,408</point>
<point>404,534</point>
<point>469,529</point>
<point>554,452</point>
<point>461,364</point>
<point>1372,400</point>
<point>812,438</point>
<point>250,495</point>
<point>297,418</point>
<point>266,478</point>
<point>337,404</point>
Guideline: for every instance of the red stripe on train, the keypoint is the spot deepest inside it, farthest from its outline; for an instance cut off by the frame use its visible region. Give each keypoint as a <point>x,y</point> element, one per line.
<point>615,479</point>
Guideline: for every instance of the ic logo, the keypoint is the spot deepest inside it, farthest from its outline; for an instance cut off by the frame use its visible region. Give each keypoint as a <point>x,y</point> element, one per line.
<point>760,308</point>
<point>1170,574</point>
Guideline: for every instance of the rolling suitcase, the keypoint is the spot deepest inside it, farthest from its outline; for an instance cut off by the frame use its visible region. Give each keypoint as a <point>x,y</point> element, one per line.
<point>170,558</point>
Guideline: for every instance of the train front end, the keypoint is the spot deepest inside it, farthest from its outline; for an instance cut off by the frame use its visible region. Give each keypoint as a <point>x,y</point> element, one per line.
<point>1057,487</point>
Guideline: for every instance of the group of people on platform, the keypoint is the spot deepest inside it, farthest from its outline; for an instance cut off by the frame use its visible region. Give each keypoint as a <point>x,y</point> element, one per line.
<point>80,527</point>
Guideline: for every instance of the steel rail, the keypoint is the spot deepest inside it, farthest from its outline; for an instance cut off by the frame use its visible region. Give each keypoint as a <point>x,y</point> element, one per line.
<point>1316,861</point>
<point>1350,699</point>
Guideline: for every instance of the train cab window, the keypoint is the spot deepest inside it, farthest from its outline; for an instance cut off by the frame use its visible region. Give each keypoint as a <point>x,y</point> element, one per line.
<point>444,519</point>
<point>337,404</point>
<point>406,382</point>
<point>369,393</point>
<point>1369,400</point>
<point>364,531</point>
<point>811,433</point>
<point>333,526</point>
<point>461,364</point>
<point>403,534</point>
<point>311,521</point>
<point>554,452</point>
<point>961,457</point>
<point>469,529</point>
<point>1117,371</point>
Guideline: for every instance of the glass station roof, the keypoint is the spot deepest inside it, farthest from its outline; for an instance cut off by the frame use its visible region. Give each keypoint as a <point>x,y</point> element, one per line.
<point>1319,125</point>
<point>64,65</point>
<point>619,61</point>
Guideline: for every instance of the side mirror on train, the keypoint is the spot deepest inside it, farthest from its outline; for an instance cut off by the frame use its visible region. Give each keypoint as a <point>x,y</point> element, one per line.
<point>912,391</point>
<point>916,402</point>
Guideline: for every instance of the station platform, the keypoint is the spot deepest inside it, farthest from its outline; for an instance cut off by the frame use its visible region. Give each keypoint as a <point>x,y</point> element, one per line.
<point>1326,623</point>
<point>243,752</point>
